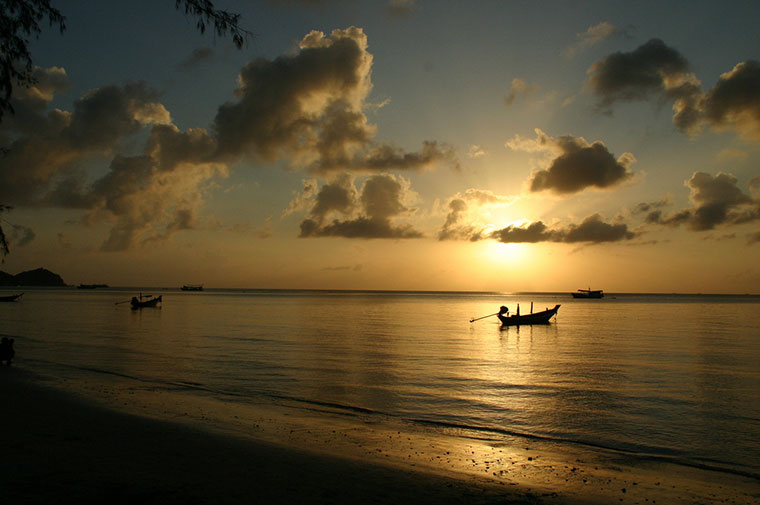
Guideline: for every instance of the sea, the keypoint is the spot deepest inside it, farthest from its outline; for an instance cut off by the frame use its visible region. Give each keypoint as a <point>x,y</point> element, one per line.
<point>664,376</point>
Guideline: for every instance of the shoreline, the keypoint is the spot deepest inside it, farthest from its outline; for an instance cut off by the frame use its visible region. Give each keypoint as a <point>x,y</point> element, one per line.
<point>58,447</point>
<point>114,438</point>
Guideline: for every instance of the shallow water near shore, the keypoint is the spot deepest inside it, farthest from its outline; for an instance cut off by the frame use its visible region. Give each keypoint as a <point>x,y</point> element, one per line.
<point>671,378</point>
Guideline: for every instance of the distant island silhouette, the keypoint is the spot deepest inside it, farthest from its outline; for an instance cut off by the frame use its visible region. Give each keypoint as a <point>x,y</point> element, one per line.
<point>36,277</point>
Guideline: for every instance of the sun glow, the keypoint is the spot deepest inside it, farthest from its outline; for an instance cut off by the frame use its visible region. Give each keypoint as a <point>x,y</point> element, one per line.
<point>498,253</point>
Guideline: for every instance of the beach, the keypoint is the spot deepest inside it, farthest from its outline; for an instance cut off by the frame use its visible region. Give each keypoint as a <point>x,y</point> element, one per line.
<point>61,447</point>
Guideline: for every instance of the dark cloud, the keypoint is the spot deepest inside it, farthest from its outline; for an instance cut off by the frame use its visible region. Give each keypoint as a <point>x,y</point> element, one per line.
<point>361,227</point>
<point>106,115</point>
<point>384,157</point>
<point>734,102</point>
<point>594,230</point>
<point>650,207</point>
<point>578,165</point>
<point>198,57</point>
<point>339,196</point>
<point>40,157</point>
<point>716,201</point>
<point>309,108</point>
<point>656,70</point>
<point>651,69</point>
<point>30,105</point>
<point>591,230</point>
<point>534,232</point>
<point>368,213</point>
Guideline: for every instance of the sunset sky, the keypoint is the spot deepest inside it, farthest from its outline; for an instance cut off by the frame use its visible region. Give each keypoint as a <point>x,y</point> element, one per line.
<point>413,145</point>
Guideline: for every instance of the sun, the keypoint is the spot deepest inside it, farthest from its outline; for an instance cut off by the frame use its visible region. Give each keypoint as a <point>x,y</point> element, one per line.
<point>498,253</point>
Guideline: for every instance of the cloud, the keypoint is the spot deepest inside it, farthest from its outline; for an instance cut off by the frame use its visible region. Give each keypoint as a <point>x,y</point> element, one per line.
<point>63,241</point>
<point>651,69</point>
<point>265,230</point>
<point>519,88</point>
<point>732,155</point>
<point>308,108</point>
<point>340,210</point>
<point>656,70</point>
<point>754,187</point>
<point>40,156</point>
<point>594,35</point>
<point>734,101</point>
<point>401,8</point>
<point>649,207</point>
<point>715,201</point>
<point>30,104</point>
<point>464,218</point>
<point>578,165</point>
<point>475,151</point>
<point>20,235</point>
<point>592,230</point>
<point>143,197</point>
<point>197,58</point>
<point>302,200</point>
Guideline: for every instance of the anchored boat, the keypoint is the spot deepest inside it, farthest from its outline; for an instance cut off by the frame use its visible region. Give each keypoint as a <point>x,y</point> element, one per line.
<point>140,303</point>
<point>588,293</point>
<point>542,317</point>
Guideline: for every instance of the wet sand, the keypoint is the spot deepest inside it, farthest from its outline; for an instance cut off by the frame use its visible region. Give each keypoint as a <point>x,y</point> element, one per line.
<point>58,447</point>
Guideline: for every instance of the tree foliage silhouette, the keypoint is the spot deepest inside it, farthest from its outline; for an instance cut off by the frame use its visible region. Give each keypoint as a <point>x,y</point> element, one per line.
<point>21,20</point>
<point>3,241</point>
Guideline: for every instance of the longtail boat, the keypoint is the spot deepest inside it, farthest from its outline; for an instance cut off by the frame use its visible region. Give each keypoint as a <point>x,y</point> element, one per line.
<point>532,318</point>
<point>588,293</point>
<point>10,298</point>
<point>139,304</point>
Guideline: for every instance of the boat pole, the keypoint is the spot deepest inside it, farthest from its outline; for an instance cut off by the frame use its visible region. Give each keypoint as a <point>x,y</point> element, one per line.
<point>483,317</point>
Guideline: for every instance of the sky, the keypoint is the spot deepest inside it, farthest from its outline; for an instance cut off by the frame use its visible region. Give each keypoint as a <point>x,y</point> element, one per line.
<point>403,145</point>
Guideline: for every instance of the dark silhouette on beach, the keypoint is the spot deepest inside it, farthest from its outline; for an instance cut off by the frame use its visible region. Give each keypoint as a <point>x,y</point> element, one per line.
<point>7,353</point>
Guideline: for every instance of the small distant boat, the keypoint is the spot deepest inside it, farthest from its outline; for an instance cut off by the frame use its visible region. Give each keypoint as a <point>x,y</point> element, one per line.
<point>140,303</point>
<point>192,287</point>
<point>588,293</point>
<point>542,317</point>
<point>92,286</point>
<point>10,298</point>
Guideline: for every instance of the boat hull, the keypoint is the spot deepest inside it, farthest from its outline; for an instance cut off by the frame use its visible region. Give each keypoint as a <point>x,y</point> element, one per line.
<point>137,304</point>
<point>542,317</point>
<point>587,293</point>
<point>11,298</point>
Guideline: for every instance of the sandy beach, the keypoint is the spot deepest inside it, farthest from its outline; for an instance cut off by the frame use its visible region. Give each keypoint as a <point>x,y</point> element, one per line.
<point>60,447</point>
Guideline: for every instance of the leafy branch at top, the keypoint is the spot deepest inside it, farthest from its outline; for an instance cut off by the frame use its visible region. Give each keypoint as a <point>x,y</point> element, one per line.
<point>19,20</point>
<point>224,22</point>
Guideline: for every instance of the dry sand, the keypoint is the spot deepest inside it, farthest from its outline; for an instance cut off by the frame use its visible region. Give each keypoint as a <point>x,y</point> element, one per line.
<point>61,448</point>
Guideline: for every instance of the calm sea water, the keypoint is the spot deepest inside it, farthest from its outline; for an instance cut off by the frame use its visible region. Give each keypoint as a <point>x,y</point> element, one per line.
<point>670,376</point>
